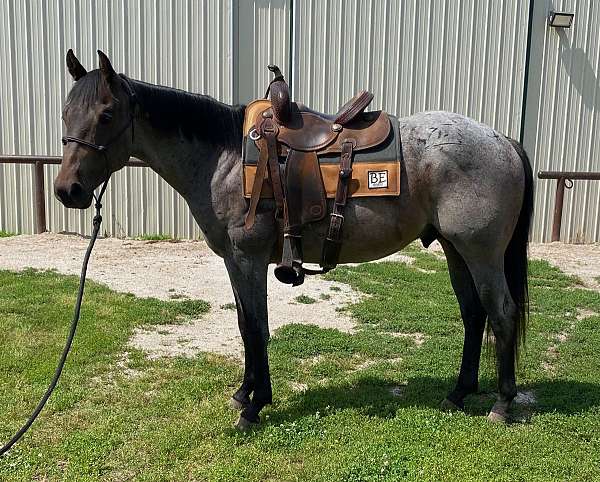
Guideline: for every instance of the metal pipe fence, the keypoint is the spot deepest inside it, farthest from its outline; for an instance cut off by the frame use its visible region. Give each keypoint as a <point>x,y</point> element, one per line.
<point>564,180</point>
<point>38,181</point>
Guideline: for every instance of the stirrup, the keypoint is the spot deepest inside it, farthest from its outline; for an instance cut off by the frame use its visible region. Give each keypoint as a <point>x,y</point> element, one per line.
<point>290,271</point>
<point>290,275</point>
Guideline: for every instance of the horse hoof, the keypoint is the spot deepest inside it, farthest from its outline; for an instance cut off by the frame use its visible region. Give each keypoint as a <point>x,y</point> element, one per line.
<point>448,405</point>
<point>497,417</point>
<point>236,404</point>
<point>244,425</point>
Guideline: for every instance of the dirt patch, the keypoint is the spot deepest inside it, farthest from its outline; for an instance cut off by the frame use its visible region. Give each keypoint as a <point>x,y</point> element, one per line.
<point>298,387</point>
<point>583,313</point>
<point>581,260</point>
<point>552,353</point>
<point>417,338</point>
<point>188,269</point>
<point>121,369</point>
<point>526,397</point>
<point>185,269</point>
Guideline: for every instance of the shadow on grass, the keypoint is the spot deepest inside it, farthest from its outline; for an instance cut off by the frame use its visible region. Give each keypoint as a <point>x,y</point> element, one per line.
<point>375,397</point>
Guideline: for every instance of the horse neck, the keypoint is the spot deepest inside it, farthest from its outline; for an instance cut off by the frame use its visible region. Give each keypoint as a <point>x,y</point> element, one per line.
<point>185,137</point>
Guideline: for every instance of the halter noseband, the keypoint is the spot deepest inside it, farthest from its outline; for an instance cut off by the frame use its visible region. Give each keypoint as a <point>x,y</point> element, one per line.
<point>103,147</point>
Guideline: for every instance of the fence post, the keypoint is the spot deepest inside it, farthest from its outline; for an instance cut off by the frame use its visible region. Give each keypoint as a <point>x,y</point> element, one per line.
<point>40,198</point>
<point>558,208</point>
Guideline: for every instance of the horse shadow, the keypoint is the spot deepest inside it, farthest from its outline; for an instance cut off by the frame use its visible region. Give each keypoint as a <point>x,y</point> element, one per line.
<point>376,397</point>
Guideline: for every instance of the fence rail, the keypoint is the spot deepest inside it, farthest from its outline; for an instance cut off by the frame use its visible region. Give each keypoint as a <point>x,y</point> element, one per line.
<point>38,181</point>
<point>564,179</point>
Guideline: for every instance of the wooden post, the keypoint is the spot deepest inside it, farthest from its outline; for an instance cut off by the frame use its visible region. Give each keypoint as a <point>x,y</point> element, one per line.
<point>39,197</point>
<point>558,208</point>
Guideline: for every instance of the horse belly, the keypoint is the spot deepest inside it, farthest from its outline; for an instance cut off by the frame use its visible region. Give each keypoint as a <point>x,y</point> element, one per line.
<point>373,228</point>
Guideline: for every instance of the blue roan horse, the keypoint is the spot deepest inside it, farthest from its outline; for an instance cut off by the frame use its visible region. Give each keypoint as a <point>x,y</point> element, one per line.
<point>462,183</point>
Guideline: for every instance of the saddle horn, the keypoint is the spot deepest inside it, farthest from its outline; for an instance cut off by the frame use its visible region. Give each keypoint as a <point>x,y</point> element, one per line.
<point>280,96</point>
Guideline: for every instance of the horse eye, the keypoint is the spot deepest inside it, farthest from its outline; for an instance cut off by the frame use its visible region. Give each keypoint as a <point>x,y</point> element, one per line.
<point>106,117</point>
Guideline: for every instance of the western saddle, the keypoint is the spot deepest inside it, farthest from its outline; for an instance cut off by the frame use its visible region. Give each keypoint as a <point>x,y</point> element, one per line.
<point>300,135</point>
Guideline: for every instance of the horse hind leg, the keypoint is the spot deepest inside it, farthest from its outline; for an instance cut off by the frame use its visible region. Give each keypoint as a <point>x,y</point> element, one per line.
<point>473,316</point>
<point>503,315</point>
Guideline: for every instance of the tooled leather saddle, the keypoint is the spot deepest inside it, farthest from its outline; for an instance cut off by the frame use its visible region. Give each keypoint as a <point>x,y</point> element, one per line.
<point>304,142</point>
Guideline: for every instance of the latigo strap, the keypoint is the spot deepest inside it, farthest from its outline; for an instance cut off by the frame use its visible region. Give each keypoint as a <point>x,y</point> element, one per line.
<point>333,242</point>
<point>268,130</point>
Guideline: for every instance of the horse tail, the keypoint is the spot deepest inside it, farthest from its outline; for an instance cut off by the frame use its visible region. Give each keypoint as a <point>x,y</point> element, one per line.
<point>515,257</point>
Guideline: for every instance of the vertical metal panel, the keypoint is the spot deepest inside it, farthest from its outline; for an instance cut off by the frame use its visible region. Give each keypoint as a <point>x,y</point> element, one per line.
<point>181,43</point>
<point>464,56</point>
<point>263,38</point>
<point>562,120</point>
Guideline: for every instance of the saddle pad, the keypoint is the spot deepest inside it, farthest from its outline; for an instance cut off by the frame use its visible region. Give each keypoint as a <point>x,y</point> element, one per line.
<point>375,171</point>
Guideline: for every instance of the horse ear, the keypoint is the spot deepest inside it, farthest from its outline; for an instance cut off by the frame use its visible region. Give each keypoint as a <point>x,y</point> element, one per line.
<point>105,66</point>
<point>75,68</point>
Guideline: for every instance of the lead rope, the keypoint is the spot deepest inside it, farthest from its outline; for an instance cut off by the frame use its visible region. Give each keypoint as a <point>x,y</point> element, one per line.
<point>63,358</point>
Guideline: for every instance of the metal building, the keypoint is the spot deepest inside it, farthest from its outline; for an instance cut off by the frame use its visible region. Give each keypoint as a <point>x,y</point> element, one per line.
<point>495,60</point>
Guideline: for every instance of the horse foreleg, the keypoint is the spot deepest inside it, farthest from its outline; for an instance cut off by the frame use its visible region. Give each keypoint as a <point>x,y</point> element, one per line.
<point>241,398</point>
<point>248,276</point>
<point>473,316</point>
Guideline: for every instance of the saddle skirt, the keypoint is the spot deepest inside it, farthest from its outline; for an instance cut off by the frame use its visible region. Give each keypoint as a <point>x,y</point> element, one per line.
<point>376,164</point>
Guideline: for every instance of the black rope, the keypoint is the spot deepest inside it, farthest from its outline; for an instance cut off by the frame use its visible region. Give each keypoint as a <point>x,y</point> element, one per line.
<point>63,358</point>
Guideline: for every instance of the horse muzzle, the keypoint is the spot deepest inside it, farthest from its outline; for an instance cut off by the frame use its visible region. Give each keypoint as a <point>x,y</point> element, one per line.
<point>72,194</point>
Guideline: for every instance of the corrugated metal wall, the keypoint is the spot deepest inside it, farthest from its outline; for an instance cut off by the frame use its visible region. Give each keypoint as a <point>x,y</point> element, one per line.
<point>562,128</point>
<point>264,36</point>
<point>181,43</point>
<point>466,56</point>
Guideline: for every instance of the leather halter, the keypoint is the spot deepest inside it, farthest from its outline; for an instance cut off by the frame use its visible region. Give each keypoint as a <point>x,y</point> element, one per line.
<point>103,147</point>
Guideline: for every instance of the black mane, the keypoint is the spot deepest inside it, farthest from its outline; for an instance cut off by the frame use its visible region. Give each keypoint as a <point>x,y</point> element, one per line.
<point>195,115</point>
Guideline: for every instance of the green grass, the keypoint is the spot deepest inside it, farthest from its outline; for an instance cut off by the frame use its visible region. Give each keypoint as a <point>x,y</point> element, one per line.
<point>156,237</point>
<point>305,299</point>
<point>369,411</point>
<point>6,234</point>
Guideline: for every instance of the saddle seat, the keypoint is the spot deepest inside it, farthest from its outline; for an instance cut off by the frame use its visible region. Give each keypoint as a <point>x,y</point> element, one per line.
<point>343,116</point>
<point>309,131</point>
<point>285,129</point>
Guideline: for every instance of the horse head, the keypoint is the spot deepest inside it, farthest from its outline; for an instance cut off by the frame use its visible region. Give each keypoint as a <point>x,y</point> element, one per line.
<point>97,114</point>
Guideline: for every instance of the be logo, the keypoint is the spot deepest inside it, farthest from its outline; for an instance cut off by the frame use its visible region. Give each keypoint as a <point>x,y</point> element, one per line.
<point>378,179</point>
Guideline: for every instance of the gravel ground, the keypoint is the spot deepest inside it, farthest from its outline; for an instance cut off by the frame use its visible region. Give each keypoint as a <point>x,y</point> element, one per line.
<point>173,270</point>
<point>582,260</point>
<point>170,270</point>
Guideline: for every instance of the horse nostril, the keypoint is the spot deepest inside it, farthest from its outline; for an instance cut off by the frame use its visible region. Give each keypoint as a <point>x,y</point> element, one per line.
<point>61,194</point>
<point>75,190</point>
